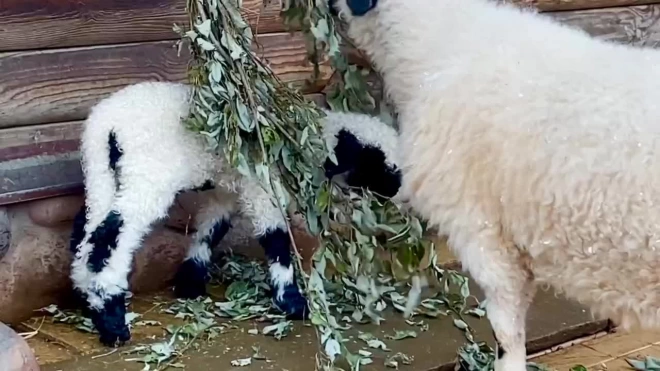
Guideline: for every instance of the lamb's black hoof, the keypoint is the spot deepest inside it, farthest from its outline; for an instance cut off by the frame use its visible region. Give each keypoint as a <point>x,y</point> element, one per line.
<point>190,280</point>
<point>110,322</point>
<point>292,303</point>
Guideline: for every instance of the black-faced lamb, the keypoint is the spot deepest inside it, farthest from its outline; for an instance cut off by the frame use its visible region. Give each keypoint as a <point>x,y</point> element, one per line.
<point>137,155</point>
<point>534,147</point>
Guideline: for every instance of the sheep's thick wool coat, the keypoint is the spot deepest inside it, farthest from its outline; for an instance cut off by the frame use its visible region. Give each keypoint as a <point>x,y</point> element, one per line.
<point>137,156</point>
<point>533,146</point>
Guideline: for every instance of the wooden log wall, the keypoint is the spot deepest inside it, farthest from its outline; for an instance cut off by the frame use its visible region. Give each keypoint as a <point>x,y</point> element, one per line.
<point>59,57</point>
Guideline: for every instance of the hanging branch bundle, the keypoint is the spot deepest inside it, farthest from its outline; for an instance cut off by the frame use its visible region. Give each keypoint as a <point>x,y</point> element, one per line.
<point>267,130</point>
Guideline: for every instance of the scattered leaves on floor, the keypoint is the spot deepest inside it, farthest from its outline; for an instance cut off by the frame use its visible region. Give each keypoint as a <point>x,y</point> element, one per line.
<point>398,358</point>
<point>400,335</point>
<point>242,362</point>
<point>646,364</point>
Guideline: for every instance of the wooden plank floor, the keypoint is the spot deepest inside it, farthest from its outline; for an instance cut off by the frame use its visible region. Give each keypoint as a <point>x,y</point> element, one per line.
<point>608,352</point>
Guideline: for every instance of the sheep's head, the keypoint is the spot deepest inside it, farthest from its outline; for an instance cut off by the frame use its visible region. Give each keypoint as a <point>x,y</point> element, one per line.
<point>352,8</point>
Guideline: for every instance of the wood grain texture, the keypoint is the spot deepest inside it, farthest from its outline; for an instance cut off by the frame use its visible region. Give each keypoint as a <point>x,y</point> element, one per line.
<point>38,140</point>
<point>61,85</point>
<point>39,161</point>
<point>39,177</point>
<point>637,25</point>
<point>555,5</point>
<point>43,161</point>
<point>38,24</point>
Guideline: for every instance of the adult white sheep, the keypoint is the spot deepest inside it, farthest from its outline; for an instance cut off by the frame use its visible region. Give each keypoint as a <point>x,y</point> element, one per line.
<point>137,156</point>
<point>534,147</point>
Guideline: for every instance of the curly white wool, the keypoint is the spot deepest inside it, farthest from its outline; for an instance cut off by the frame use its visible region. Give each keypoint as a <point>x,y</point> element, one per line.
<point>533,146</point>
<point>137,156</point>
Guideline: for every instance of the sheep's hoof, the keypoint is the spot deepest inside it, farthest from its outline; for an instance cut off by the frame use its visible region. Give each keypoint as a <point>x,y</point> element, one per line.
<point>110,322</point>
<point>190,280</point>
<point>292,303</point>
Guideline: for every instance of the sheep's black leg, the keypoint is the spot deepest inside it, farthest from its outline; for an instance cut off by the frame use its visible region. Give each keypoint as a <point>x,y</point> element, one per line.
<point>270,228</point>
<point>286,294</point>
<point>101,288</point>
<point>108,317</point>
<point>192,276</point>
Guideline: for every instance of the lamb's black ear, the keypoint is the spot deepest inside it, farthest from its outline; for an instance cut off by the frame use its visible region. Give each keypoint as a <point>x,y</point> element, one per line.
<point>361,7</point>
<point>347,151</point>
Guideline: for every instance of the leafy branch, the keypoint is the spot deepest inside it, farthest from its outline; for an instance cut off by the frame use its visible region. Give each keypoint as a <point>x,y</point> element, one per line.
<point>267,130</point>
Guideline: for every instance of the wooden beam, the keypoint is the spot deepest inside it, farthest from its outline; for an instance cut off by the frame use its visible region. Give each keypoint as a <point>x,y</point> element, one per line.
<point>39,161</point>
<point>39,140</point>
<point>43,161</point>
<point>61,85</point>
<point>555,5</point>
<point>637,25</point>
<point>38,24</point>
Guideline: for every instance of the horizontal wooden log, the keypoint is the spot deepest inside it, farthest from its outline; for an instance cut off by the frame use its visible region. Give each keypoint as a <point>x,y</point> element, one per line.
<point>637,25</point>
<point>555,5</point>
<point>37,24</point>
<point>43,161</point>
<point>39,161</point>
<point>61,85</point>
<point>40,177</point>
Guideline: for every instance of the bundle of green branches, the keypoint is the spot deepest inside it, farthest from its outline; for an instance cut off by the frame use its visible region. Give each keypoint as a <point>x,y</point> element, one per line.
<point>267,130</point>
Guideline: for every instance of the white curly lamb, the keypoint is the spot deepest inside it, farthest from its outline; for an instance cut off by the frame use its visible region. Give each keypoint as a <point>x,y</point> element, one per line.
<point>534,147</point>
<point>137,156</point>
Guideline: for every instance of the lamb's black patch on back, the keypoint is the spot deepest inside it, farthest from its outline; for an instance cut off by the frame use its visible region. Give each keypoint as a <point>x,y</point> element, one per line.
<point>104,241</point>
<point>216,233</point>
<point>115,151</point>
<point>276,244</point>
<point>78,231</point>
<point>366,166</point>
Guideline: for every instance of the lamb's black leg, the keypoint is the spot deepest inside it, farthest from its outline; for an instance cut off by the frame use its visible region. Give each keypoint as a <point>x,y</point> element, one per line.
<point>192,276</point>
<point>286,294</point>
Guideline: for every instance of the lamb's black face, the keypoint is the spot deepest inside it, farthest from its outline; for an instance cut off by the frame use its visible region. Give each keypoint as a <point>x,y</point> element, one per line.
<point>365,166</point>
<point>358,7</point>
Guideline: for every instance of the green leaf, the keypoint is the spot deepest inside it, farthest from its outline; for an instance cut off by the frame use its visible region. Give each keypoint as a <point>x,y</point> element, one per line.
<point>204,28</point>
<point>400,335</point>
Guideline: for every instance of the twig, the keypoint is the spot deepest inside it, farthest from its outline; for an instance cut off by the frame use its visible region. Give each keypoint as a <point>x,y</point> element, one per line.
<point>178,355</point>
<point>31,334</point>
<point>106,354</point>
<point>152,308</point>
